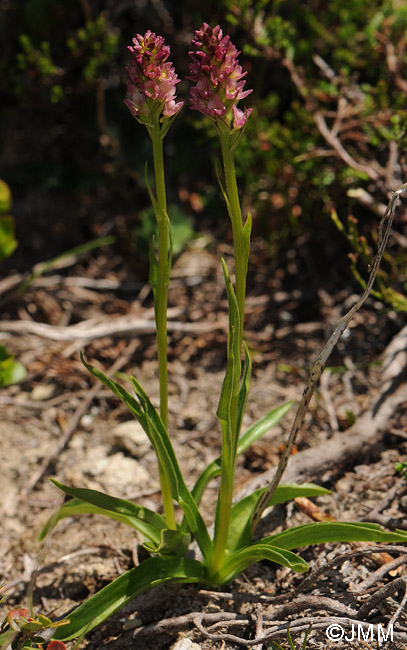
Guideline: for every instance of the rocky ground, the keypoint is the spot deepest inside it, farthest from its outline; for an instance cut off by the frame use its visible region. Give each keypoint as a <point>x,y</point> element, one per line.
<point>57,423</point>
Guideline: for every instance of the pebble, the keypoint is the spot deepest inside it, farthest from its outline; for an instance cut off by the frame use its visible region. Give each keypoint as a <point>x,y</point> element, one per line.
<point>42,392</point>
<point>131,436</point>
<point>115,474</point>
<point>185,644</point>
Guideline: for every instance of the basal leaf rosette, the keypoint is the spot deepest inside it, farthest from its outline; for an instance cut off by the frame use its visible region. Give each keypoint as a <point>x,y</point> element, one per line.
<point>218,77</point>
<point>151,80</point>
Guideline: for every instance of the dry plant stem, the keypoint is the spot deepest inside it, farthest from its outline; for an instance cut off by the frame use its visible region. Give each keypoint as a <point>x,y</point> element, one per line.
<point>296,627</point>
<point>340,559</point>
<point>381,594</point>
<point>389,567</point>
<point>89,331</point>
<point>383,235</point>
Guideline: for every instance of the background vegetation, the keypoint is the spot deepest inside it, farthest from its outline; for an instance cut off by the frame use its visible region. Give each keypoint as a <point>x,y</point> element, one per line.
<point>328,134</point>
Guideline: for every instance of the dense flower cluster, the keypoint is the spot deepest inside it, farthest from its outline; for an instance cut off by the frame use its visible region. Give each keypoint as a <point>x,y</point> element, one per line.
<point>218,77</point>
<point>151,78</point>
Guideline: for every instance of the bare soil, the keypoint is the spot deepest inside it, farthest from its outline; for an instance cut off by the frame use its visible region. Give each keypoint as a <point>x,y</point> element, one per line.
<point>286,327</point>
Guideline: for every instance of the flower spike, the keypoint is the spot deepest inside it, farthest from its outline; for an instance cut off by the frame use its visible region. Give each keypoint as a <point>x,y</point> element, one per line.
<point>218,77</point>
<point>151,79</point>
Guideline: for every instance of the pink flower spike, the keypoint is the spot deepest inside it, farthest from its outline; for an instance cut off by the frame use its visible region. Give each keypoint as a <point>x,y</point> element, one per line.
<point>151,79</point>
<point>218,78</point>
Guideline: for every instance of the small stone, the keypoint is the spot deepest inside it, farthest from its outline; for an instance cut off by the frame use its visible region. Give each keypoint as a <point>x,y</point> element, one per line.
<point>403,503</point>
<point>115,474</point>
<point>185,644</point>
<point>131,437</point>
<point>42,392</point>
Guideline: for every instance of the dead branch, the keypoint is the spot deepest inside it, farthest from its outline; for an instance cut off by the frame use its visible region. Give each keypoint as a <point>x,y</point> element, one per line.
<point>89,330</point>
<point>381,594</point>
<point>361,437</point>
<point>343,557</point>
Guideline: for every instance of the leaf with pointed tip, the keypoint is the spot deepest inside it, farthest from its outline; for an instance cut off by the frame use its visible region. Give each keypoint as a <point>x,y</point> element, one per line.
<point>107,601</point>
<point>238,561</point>
<point>253,433</point>
<point>143,411</point>
<point>146,521</point>
<point>333,531</point>
<point>152,424</point>
<point>242,511</point>
<point>243,390</point>
<point>168,459</point>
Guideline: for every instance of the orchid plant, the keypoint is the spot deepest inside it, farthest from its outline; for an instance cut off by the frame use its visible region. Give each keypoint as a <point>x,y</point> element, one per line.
<point>183,548</point>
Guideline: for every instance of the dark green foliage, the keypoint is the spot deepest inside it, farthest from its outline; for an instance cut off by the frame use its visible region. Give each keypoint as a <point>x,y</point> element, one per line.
<point>63,68</point>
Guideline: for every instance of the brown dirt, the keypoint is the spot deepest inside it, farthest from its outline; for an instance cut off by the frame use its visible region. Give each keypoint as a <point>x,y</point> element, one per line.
<point>284,334</point>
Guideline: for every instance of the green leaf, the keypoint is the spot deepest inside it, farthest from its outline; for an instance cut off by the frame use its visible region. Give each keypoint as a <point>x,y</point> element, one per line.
<point>5,197</point>
<point>334,531</point>
<point>153,275</point>
<point>152,424</point>
<point>87,501</point>
<point>247,229</point>
<point>173,543</point>
<point>160,214</point>
<point>11,371</point>
<point>6,637</point>
<point>253,433</point>
<point>223,410</point>
<point>168,460</point>
<point>261,550</point>
<point>8,243</point>
<point>232,377</point>
<point>127,399</point>
<point>243,390</point>
<point>242,511</point>
<point>259,428</point>
<point>107,601</point>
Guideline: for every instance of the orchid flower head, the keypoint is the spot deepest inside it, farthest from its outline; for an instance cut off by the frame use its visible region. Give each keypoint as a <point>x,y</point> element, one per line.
<point>218,77</point>
<point>151,79</point>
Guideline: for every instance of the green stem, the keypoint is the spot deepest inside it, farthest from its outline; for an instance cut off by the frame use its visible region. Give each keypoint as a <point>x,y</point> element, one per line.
<point>228,467</point>
<point>237,226</point>
<point>161,302</point>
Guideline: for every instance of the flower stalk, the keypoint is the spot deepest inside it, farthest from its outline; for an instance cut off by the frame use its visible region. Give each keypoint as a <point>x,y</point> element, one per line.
<point>151,85</point>
<point>219,82</point>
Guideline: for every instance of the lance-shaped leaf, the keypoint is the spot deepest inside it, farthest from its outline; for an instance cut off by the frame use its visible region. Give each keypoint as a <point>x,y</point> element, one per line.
<point>143,411</point>
<point>333,531</point>
<point>242,511</point>
<point>147,522</point>
<point>107,601</point>
<point>238,561</point>
<point>153,274</point>
<point>253,433</point>
<point>243,391</point>
<point>247,229</point>
<point>169,461</point>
